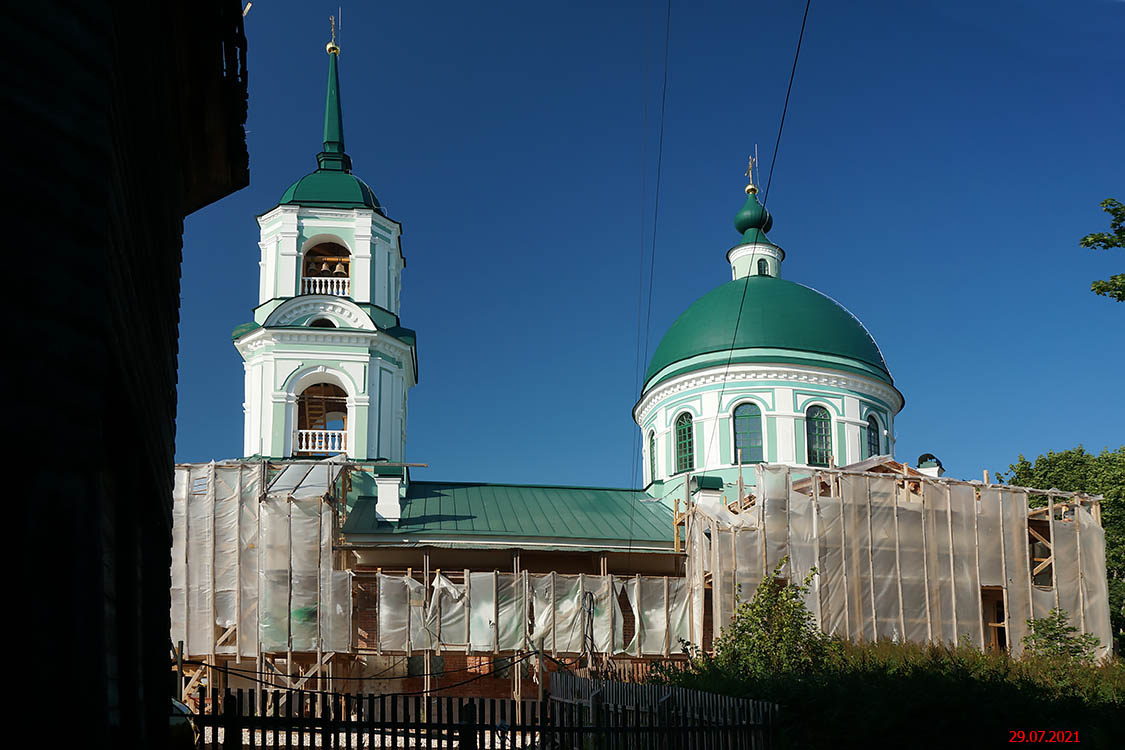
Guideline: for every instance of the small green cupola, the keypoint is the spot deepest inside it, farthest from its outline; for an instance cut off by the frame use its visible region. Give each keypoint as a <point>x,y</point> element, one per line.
<point>753,221</point>
<point>332,185</point>
<point>755,254</point>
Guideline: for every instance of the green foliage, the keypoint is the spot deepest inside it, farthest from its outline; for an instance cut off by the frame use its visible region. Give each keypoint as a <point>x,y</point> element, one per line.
<point>1053,637</point>
<point>834,693</point>
<point>1115,286</point>
<point>1075,470</point>
<point>772,633</point>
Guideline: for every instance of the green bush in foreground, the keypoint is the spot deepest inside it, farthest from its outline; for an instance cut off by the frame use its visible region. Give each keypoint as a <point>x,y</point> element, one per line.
<point>835,693</point>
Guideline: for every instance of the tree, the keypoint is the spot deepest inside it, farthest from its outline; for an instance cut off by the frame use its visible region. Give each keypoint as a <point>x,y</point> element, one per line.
<point>1115,286</point>
<point>1053,637</point>
<point>1075,470</point>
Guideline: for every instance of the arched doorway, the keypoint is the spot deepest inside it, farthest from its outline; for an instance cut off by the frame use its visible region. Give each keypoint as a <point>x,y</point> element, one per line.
<point>322,420</point>
<point>326,269</point>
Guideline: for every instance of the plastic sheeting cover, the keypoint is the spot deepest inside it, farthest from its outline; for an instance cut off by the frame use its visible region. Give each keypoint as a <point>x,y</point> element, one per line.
<point>899,560</point>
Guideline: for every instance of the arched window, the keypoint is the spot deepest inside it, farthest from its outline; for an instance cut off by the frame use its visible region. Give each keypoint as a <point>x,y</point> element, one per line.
<point>322,420</point>
<point>321,323</point>
<point>818,436</point>
<point>685,445</point>
<point>763,267</point>
<point>748,433</point>
<point>326,269</point>
<point>652,456</point>
<point>873,441</point>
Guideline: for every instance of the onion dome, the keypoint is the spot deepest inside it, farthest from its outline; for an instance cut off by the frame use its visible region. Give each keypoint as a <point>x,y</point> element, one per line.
<point>753,221</point>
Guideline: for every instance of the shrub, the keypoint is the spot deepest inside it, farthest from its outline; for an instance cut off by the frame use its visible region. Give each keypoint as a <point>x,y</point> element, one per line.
<point>834,693</point>
<point>773,633</point>
<point>1053,637</point>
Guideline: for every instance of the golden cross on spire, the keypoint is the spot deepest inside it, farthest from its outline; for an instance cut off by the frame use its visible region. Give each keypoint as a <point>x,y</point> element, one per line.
<point>332,47</point>
<point>750,187</point>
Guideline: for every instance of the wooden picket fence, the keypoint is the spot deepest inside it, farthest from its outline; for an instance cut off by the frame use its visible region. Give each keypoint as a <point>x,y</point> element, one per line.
<point>291,719</point>
<point>699,706</point>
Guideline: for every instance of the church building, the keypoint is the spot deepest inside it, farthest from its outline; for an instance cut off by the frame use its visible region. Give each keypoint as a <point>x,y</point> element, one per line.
<point>767,424</point>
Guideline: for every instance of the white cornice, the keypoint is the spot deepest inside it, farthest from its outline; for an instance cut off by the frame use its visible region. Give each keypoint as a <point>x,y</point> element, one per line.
<point>372,341</point>
<point>738,373</point>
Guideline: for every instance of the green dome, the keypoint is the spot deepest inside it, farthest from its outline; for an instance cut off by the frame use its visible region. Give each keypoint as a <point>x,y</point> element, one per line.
<point>781,322</point>
<point>331,188</point>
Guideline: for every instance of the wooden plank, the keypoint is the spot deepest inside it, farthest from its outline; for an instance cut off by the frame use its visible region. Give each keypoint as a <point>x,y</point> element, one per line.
<point>211,611</point>
<point>1004,568</point>
<point>1081,570</point>
<point>898,564</point>
<point>871,563</point>
<point>952,567</point>
<point>238,565</point>
<point>976,557</point>
<point>844,562</point>
<point>925,565</point>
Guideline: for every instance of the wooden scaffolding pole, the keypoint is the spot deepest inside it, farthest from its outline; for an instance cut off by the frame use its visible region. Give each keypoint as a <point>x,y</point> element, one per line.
<point>898,561</point>
<point>1004,567</point>
<point>952,566</point>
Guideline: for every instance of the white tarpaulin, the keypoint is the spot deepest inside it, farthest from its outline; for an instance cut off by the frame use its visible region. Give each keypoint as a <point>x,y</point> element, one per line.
<point>900,558</point>
<point>252,571</point>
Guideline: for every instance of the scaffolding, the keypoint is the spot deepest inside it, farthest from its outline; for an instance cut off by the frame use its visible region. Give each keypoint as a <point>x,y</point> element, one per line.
<point>253,571</point>
<point>259,572</point>
<point>904,557</point>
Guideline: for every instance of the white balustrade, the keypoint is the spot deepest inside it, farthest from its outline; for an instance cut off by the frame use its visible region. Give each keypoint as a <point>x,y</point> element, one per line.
<point>322,441</point>
<point>334,285</point>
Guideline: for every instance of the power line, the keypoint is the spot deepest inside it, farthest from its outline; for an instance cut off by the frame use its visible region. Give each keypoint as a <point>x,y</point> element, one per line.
<point>785,107</point>
<point>765,198</point>
<point>652,252</point>
<point>633,457</point>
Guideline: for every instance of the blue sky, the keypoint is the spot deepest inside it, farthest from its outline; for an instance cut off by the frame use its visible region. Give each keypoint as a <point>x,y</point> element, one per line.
<point>939,163</point>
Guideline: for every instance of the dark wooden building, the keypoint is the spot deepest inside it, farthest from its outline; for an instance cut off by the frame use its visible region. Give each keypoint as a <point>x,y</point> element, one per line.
<point>127,117</point>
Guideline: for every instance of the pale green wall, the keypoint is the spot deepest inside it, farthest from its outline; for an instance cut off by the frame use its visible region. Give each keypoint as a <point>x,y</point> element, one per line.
<point>726,451</point>
<point>771,439</point>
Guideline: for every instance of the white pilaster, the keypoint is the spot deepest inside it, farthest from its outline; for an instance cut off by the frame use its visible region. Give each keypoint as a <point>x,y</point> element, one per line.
<point>361,260</point>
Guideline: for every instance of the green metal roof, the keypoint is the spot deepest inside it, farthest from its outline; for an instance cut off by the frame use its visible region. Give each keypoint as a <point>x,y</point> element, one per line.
<point>467,509</point>
<point>776,315</point>
<point>329,188</point>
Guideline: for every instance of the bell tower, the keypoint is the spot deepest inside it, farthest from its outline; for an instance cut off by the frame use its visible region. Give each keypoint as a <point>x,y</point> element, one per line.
<point>327,363</point>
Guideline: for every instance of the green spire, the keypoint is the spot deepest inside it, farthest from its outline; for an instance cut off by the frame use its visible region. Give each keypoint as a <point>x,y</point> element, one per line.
<point>333,158</point>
